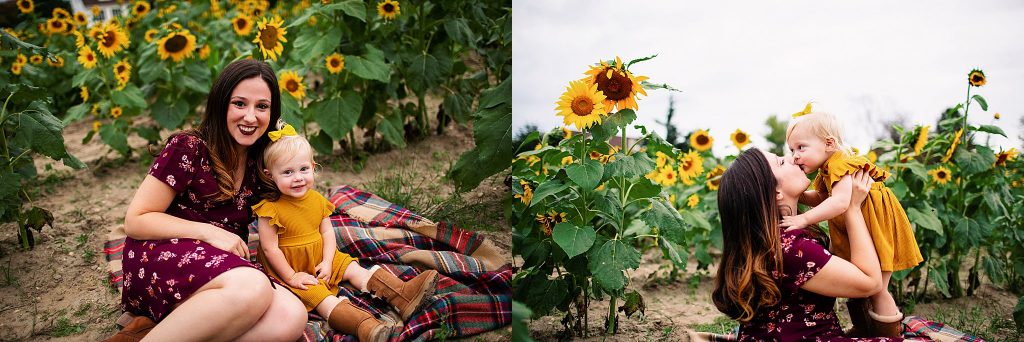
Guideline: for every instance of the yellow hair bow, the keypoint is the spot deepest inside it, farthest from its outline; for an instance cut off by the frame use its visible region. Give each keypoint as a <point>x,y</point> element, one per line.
<point>285,131</point>
<point>807,110</point>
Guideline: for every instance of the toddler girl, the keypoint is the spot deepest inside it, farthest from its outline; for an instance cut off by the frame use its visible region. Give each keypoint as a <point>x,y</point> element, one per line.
<point>816,141</point>
<point>299,248</point>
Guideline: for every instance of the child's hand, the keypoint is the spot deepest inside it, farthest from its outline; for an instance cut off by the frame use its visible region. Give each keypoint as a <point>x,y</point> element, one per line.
<point>299,280</point>
<point>793,222</point>
<point>323,269</point>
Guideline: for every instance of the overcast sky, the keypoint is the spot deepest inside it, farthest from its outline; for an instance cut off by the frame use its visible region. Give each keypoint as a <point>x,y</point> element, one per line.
<point>739,62</point>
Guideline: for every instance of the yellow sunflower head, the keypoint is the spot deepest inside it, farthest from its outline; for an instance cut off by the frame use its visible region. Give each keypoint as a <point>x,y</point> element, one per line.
<point>84,93</point>
<point>177,45</point>
<point>940,175</point>
<point>61,13</point>
<point>581,105</point>
<point>56,62</point>
<point>922,139</point>
<point>976,78</point>
<point>388,9</point>
<point>740,138</point>
<point>527,194</point>
<point>140,9</point>
<point>715,177</point>
<point>1005,156</point>
<point>692,201</point>
<point>619,86</point>
<point>150,34</point>
<point>566,160</point>
<point>96,126</point>
<point>691,165</point>
<point>16,68</point>
<point>204,51</point>
<point>115,112</point>
<point>242,25</point>
<point>95,9</point>
<point>114,39</point>
<point>335,63</point>
<point>36,59</point>
<point>86,57</point>
<point>81,19</point>
<point>270,36</point>
<point>953,145</point>
<point>20,59</point>
<point>566,133</point>
<point>25,6</point>
<point>701,141</point>
<point>123,71</point>
<point>291,82</point>
<point>57,25</point>
<point>996,116</point>
<point>668,176</point>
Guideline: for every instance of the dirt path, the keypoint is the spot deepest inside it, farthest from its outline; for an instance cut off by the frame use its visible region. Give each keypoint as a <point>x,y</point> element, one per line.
<point>59,291</point>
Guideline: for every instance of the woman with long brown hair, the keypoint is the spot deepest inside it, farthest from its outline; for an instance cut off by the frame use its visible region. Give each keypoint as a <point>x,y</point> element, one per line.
<point>781,285</point>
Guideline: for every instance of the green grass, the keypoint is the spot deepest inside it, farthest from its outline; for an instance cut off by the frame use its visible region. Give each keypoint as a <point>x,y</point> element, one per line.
<point>9,278</point>
<point>63,327</point>
<point>979,322</point>
<point>721,325</point>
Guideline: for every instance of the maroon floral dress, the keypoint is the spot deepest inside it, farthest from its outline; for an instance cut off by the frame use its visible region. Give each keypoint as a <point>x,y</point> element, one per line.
<point>159,274</point>
<point>800,315</point>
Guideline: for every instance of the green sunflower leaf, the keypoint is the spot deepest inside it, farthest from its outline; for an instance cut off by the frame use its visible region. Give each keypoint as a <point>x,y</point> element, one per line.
<point>981,102</point>
<point>586,174</point>
<point>170,115</point>
<point>991,129</point>
<point>369,66</point>
<point>609,262</point>
<point>573,240</point>
<point>337,115</point>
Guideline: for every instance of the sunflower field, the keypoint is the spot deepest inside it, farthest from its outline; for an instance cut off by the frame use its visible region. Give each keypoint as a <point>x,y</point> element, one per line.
<point>350,72</point>
<point>585,209</point>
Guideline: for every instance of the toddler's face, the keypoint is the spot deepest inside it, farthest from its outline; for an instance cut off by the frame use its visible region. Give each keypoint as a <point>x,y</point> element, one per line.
<point>293,176</point>
<point>809,151</point>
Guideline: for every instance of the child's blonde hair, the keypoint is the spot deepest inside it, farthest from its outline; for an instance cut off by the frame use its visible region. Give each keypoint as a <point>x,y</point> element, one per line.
<point>286,146</point>
<point>823,125</point>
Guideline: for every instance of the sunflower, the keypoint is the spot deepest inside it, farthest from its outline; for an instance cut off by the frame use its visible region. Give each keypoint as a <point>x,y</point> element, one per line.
<point>56,25</point>
<point>566,133</point>
<point>95,9</point>
<point>16,68</point>
<point>872,157</point>
<point>79,39</point>
<point>204,51</point>
<point>666,176</point>
<point>123,72</point>
<point>96,126</point>
<point>549,221</point>
<point>335,63</point>
<point>269,36</point>
<point>114,39</point>
<point>81,19</point>
<point>581,105</point>
<point>150,34</point>
<point>618,85</point>
<point>140,8</point>
<point>1005,156</point>
<point>996,116</point>
<point>291,82</point>
<point>715,177</point>
<point>740,138</point>
<point>922,138</point>
<point>36,59</point>
<point>26,6</point>
<point>242,25</point>
<point>952,146</point>
<point>87,57</point>
<point>661,159</point>
<point>940,175</point>
<point>21,59</point>
<point>96,32</point>
<point>976,78</point>
<point>691,165</point>
<point>527,194</point>
<point>692,201</point>
<point>85,93</point>
<point>701,141</point>
<point>61,13</point>
<point>56,62</point>
<point>177,45</point>
<point>388,9</point>
<point>115,112</point>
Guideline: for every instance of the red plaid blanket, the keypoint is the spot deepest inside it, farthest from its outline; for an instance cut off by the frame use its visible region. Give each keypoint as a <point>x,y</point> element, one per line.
<point>474,289</point>
<point>914,329</point>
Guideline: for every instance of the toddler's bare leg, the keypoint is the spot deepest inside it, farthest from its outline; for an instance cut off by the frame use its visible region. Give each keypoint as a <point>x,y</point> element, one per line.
<point>327,305</point>
<point>882,302</point>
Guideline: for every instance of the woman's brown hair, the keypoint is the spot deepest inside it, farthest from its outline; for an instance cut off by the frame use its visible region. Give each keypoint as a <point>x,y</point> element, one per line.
<point>752,250</point>
<point>213,129</point>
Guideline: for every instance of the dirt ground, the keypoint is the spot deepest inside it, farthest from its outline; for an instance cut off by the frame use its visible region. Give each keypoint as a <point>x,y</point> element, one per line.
<point>673,307</point>
<point>59,291</point>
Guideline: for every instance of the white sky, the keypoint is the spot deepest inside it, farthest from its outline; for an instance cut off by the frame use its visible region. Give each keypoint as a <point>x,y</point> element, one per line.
<point>739,62</point>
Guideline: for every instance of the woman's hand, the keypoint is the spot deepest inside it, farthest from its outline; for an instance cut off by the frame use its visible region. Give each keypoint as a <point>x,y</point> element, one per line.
<point>861,186</point>
<point>323,269</point>
<point>299,280</point>
<point>226,241</point>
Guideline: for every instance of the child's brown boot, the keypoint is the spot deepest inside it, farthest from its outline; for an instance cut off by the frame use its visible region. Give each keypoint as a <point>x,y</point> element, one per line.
<point>406,296</point>
<point>353,320</point>
<point>886,326</point>
<point>859,317</point>
<point>133,331</point>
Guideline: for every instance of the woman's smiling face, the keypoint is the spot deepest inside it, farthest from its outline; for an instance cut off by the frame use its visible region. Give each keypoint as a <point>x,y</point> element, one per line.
<point>792,181</point>
<point>249,111</point>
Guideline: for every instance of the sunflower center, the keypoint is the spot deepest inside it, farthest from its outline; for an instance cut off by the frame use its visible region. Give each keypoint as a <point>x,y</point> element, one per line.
<point>686,164</point>
<point>176,43</point>
<point>615,88</point>
<point>942,174</point>
<point>242,23</point>
<point>90,57</point>
<point>740,137</point>
<point>976,78</point>
<point>269,37</point>
<point>292,86</point>
<point>582,106</point>
<point>140,8</point>
<point>389,8</point>
<point>120,69</point>
<point>702,140</point>
<point>110,39</point>
<point>335,63</point>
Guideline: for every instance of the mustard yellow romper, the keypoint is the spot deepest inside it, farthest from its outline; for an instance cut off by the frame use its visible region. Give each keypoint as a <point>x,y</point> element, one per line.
<point>886,221</point>
<point>298,233</point>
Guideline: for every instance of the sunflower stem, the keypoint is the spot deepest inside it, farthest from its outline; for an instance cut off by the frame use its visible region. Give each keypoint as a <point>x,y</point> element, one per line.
<point>622,143</point>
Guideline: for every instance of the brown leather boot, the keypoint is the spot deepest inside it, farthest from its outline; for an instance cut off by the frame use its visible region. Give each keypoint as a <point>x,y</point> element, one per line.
<point>886,326</point>
<point>858,308</point>
<point>134,331</point>
<point>353,320</point>
<point>407,296</point>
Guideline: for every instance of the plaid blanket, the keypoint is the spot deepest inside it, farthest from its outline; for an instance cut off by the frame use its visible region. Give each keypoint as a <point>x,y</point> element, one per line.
<point>914,329</point>
<point>474,289</point>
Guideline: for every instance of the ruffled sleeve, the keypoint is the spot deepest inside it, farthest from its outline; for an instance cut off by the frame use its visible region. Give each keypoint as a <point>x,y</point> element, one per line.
<point>841,165</point>
<point>326,207</point>
<point>268,209</point>
<point>802,258</point>
<point>177,163</point>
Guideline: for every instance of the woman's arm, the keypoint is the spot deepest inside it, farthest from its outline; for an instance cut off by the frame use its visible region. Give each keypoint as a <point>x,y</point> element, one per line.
<point>325,266</point>
<point>812,197</point>
<point>147,219</point>
<point>862,275</point>
<point>835,205</point>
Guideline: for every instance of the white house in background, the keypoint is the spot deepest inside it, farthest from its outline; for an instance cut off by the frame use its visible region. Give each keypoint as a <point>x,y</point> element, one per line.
<point>108,8</point>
